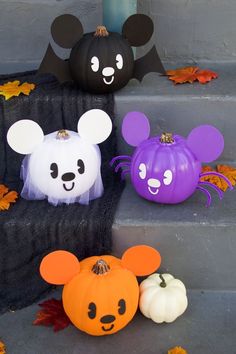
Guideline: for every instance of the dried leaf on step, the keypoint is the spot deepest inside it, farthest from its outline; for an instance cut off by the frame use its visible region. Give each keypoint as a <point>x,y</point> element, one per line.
<point>52,314</point>
<point>182,75</point>
<point>15,88</point>
<point>177,350</point>
<point>2,348</point>
<point>189,74</point>
<point>204,76</point>
<point>216,180</point>
<point>229,172</point>
<point>6,198</point>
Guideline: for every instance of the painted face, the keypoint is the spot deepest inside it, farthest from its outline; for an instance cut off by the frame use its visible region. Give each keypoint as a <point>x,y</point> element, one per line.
<point>64,169</point>
<point>154,184</point>
<point>108,73</point>
<point>107,322</point>
<point>104,66</point>
<point>164,174</point>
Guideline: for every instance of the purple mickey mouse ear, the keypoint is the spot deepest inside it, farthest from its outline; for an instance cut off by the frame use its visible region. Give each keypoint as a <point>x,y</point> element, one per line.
<point>135,128</point>
<point>206,142</point>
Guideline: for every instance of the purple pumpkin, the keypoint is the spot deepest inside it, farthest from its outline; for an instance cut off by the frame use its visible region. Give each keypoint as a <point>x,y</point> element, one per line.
<point>167,169</point>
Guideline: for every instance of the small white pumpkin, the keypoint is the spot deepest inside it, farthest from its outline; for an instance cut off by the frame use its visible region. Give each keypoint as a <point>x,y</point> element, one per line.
<point>162,298</point>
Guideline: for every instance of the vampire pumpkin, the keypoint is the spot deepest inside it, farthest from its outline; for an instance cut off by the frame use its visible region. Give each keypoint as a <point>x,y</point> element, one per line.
<point>101,61</point>
<point>101,293</point>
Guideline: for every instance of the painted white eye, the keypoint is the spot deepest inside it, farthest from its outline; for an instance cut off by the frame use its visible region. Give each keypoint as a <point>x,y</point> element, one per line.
<point>168,176</point>
<point>142,171</point>
<point>119,61</point>
<point>95,64</point>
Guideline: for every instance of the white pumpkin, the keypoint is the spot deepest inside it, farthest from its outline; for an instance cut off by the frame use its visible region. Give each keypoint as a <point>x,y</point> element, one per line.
<point>162,298</point>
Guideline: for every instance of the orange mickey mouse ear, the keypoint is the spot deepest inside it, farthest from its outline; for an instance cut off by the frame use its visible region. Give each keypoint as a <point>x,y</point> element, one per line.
<point>141,260</point>
<point>59,267</point>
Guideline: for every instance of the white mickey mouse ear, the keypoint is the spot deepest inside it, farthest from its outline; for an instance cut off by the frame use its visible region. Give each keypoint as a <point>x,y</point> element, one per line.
<point>24,136</point>
<point>95,126</point>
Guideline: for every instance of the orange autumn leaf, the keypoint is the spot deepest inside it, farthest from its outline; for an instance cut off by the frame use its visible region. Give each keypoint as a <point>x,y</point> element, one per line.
<point>6,198</point>
<point>14,88</point>
<point>52,314</point>
<point>229,172</point>
<point>2,348</point>
<point>3,190</point>
<point>177,350</point>
<point>182,75</point>
<point>190,74</point>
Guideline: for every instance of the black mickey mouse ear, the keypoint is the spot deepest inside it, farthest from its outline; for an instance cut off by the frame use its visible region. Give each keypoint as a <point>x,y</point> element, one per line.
<point>138,29</point>
<point>66,30</point>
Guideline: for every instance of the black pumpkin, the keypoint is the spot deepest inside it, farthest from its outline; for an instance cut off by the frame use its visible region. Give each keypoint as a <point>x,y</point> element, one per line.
<point>102,62</point>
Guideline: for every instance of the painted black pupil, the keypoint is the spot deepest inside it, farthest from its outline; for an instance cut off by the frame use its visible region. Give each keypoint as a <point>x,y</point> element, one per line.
<point>122,307</point>
<point>92,310</point>
<point>80,165</point>
<point>54,170</point>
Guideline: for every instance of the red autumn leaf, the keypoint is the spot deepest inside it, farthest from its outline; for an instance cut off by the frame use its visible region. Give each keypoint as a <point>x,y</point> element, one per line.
<point>52,314</point>
<point>190,74</point>
<point>204,76</point>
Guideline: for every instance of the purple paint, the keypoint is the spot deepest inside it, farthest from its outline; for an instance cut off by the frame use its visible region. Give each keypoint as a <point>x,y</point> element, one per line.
<point>169,171</point>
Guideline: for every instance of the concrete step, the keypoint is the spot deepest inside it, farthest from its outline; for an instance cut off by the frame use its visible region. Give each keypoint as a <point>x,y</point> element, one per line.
<point>193,30</point>
<point>179,108</point>
<point>197,244</point>
<point>25,28</point>
<point>208,326</point>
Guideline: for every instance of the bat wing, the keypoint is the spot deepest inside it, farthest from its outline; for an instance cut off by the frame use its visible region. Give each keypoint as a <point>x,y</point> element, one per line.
<point>150,62</point>
<point>52,64</point>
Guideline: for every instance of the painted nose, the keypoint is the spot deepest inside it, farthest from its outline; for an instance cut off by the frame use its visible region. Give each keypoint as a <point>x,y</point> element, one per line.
<point>154,183</point>
<point>108,71</point>
<point>108,319</point>
<point>68,177</point>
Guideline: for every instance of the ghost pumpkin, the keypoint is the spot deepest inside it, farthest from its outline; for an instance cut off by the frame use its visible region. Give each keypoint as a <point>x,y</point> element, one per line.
<point>101,293</point>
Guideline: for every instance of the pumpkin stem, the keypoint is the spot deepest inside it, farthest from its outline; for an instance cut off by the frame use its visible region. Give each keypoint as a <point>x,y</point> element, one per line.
<point>163,282</point>
<point>167,138</point>
<point>101,267</point>
<point>62,135</point>
<point>101,31</point>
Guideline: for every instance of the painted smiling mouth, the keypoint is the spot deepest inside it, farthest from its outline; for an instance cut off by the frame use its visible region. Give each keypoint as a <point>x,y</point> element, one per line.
<point>108,82</point>
<point>108,329</point>
<point>68,189</point>
<point>153,190</point>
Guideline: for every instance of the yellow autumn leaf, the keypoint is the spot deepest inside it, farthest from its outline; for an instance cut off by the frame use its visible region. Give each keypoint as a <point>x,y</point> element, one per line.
<point>6,198</point>
<point>15,88</point>
<point>2,348</point>
<point>229,172</point>
<point>177,350</point>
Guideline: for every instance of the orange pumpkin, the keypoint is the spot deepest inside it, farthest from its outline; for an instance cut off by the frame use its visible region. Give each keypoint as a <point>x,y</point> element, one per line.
<point>101,293</point>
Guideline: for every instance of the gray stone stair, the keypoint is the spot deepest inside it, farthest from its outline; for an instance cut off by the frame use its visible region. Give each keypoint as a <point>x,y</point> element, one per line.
<point>180,108</point>
<point>207,327</point>
<point>197,243</point>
